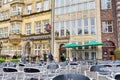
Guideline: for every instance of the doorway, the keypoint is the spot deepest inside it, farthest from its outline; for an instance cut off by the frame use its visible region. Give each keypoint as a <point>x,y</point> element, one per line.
<point>62,51</point>
<point>108,51</point>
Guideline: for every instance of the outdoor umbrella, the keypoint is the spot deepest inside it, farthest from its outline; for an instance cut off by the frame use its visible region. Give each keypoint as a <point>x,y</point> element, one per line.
<point>92,43</point>
<point>71,45</point>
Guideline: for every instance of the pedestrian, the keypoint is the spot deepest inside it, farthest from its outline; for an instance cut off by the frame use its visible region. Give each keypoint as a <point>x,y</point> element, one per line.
<point>50,56</point>
<point>23,58</point>
<point>74,59</point>
<point>14,56</point>
<point>63,57</point>
<point>71,58</point>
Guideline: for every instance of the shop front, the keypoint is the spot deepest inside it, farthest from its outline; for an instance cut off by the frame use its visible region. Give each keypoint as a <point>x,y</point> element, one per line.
<point>108,51</point>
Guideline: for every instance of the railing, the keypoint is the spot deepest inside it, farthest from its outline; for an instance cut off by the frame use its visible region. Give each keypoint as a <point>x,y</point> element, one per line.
<point>13,18</point>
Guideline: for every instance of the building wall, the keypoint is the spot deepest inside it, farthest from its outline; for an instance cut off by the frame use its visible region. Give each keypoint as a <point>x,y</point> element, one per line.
<point>118,20</point>
<point>39,43</point>
<point>80,39</point>
<point>109,15</point>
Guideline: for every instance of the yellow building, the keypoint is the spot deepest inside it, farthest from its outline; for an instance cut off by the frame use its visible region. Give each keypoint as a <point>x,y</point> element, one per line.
<point>23,27</point>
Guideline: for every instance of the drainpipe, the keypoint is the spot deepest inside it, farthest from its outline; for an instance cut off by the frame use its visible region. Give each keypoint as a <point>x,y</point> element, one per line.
<point>52,26</point>
<point>115,18</point>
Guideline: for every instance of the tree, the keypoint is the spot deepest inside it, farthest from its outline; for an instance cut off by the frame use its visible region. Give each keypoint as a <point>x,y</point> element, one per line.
<point>117,51</point>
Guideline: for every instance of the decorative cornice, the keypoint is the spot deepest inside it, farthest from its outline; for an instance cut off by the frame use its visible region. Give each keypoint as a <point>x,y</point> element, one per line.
<point>62,38</point>
<point>26,15</point>
<point>5,20</point>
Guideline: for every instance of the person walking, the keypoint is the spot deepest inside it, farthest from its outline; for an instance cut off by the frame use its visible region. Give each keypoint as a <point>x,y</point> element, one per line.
<point>14,56</point>
<point>63,58</point>
<point>50,56</point>
<point>23,58</point>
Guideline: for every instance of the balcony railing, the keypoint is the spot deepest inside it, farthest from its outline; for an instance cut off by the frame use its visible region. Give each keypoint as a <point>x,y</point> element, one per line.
<point>15,38</point>
<point>16,18</point>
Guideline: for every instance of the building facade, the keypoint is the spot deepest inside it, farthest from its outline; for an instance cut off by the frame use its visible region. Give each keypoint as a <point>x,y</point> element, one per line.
<point>77,21</point>
<point>109,29</point>
<point>118,20</point>
<point>23,28</point>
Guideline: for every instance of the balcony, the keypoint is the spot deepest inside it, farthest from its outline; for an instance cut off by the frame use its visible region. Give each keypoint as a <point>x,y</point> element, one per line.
<point>16,18</point>
<point>15,39</point>
<point>17,1</point>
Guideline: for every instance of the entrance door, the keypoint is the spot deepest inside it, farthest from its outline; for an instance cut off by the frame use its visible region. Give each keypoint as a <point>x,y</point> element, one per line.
<point>62,51</point>
<point>108,51</point>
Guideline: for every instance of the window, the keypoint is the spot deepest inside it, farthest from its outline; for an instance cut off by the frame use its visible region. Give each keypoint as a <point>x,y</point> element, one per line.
<point>6,32</point>
<point>29,9</point>
<point>17,28</point>
<point>4,1</point>
<point>12,50</point>
<point>56,27</point>
<point>39,7</point>
<point>28,29</point>
<point>68,27</point>
<point>2,16</point>
<point>1,32</point>
<point>79,8</point>
<point>85,6</point>
<point>19,10</point>
<point>92,23</point>
<point>106,4</point>
<point>13,29</point>
<point>45,23</point>
<point>92,5</point>
<point>57,11</point>
<point>19,52</point>
<point>79,24</point>
<point>6,14</point>
<point>38,29</point>
<point>14,12</point>
<point>62,33</point>
<point>73,26</point>
<point>37,49</point>
<point>5,50</point>
<point>46,5</point>
<point>107,26</point>
<point>86,55</point>
<point>85,26</point>
<point>93,55</point>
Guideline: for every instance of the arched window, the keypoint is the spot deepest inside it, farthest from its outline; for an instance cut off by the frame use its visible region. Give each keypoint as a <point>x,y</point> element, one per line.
<point>108,43</point>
